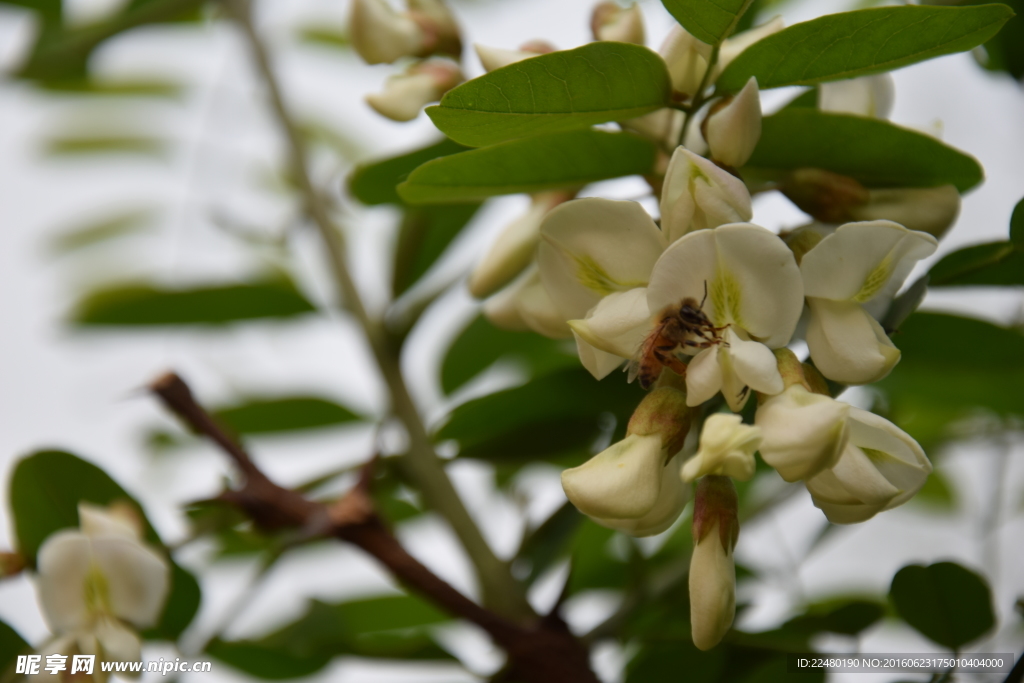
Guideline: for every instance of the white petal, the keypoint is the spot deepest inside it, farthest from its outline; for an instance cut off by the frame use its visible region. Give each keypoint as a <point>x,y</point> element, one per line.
<point>893,452</point>
<point>118,642</point>
<point>686,59</point>
<point>618,324</point>
<point>381,35</point>
<point>64,562</point>
<point>539,312</point>
<point>866,96</point>
<point>927,209</point>
<point>697,195</point>
<point>621,482</point>
<point>510,254</point>
<point>703,377</point>
<point>502,309</point>
<point>726,448</point>
<point>495,57</point>
<point>662,125</point>
<point>755,365</point>
<point>95,520</point>
<point>598,363</point>
<point>804,433</point>
<point>734,47</point>
<point>734,130</point>
<point>848,345</point>
<point>860,261</point>
<point>618,24</point>
<point>672,498</point>
<point>712,590</point>
<point>593,247</point>
<point>137,579</point>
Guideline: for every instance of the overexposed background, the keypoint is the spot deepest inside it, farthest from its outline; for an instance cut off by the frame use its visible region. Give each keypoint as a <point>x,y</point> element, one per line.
<point>80,391</point>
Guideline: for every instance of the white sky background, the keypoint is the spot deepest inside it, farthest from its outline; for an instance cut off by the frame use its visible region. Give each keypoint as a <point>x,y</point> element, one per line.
<point>80,391</point>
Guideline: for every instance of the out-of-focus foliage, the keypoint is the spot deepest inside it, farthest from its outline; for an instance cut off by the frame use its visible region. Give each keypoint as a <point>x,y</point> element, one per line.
<point>949,604</point>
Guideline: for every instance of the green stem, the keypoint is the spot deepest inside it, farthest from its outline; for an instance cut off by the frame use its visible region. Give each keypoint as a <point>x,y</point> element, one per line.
<point>698,97</point>
<point>501,592</point>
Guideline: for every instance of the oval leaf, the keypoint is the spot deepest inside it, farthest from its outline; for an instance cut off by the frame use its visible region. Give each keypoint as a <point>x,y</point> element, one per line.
<point>147,304</point>
<point>269,415</point>
<point>11,645</point>
<point>709,21</point>
<point>944,602</point>
<point>559,91</point>
<point>994,264</point>
<point>546,162</point>
<point>862,42</point>
<point>424,235</point>
<point>875,152</point>
<point>375,182</point>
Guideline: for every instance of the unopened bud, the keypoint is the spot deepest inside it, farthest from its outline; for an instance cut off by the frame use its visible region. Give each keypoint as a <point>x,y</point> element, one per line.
<point>804,238</point>
<point>406,94</point>
<point>734,129</point>
<point>697,195</point>
<point>687,61</point>
<point>11,564</point>
<point>726,448</point>
<point>929,209</point>
<point>618,24</point>
<point>439,27</point>
<point>525,305</point>
<point>712,569</point>
<point>620,482</point>
<point>514,249</point>
<point>734,47</point>
<point>495,57</point>
<point>826,196</point>
<point>663,412</point>
<point>380,35</point>
<point>870,96</point>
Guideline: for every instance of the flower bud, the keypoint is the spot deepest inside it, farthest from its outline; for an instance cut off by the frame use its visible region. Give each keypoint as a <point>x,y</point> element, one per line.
<point>734,129</point>
<point>686,59</point>
<point>880,468</point>
<point>495,57</point>
<point>866,96</point>
<point>697,195</point>
<point>928,209</point>
<point>734,46</point>
<point>712,570</point>
<point>625,481</point>
<point>439,26</point>
<point>826,196</point>
<point>618,24</point>
<point>663,126</point>
<point>726,448</point>
<point>11,564</point>
<point>672,498</point>
<point>525,305</point>
<point>514,249</point>
<point>380,35</point>
<point>406,94</point>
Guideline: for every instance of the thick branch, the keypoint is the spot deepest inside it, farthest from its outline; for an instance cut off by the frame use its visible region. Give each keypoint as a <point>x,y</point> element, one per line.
<point>500,590</point>
<point>544,652</point>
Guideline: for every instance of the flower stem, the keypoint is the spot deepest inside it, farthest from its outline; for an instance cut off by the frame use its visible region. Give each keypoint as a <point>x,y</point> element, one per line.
<point>698,97</point>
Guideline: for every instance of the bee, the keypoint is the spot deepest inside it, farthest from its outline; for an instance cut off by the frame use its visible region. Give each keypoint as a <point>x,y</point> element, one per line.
<point>683,325</point>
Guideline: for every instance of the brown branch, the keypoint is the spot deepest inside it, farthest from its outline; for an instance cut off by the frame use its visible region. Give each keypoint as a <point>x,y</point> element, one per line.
<point>542,652</point>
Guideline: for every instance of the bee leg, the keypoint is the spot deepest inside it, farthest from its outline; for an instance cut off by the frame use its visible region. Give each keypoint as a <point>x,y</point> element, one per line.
<point>667,359</point>
<point>743,394</point>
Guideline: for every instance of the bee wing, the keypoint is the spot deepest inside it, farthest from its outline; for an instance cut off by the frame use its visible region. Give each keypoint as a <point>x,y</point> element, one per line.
<point>636,362</point>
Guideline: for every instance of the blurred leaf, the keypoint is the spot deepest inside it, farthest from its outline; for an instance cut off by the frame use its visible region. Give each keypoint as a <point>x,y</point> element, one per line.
<point>992,264</point>
<point>862,42</point>
<point>1017,223</point>
<point>342,144</point>
<point>546,162</point>
<point>328,36</point>
<point>141,87</point>
<point>709,21</point>
<point>389,627</point>
<point>592,565</point>
<point>50,11</point>
<point>929,390</point>
<point>875,152</point>
<point>481,344</point>
<point>44,493</point>
<point>776,669</point>
<point>808,99</point>
<point>146,304</point>
<point>945,602</point>
<point>423,236</point>
<point>374,182</point>
<point>905,304</point>
<point>554,92</point>
<point>128,223</point>
<point>936,492</point>
<point>1005,50</point>
<point>842,615</point>
<point>11,645</point>
<point>290,413</point>
<point>546,544</point>
<point>674,661</point>
<point>104,144</point>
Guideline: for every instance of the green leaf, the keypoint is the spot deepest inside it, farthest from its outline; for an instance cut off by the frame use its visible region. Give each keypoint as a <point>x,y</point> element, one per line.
<point>391,627</point>
<point>425,233</point>
<point>285,414</point>
<point>936,492</point>
<point>374,182</point>
<point>843,616</point>
<point>777,669</point>
<point>592,565</point>
<point>45,490</point>
<point>147,304</point>
<point>708,20</point>
<point>1005,50</point>
<point>945,602</point>
<point>860,43</point>
<point>1017,225</point>
<point>559,91</point>
<point>482,344</point>
<point>548,543</point>
<point>546,162</point>
<point>673,661</point>
<point>874,152</point>
<point>101,231</point>
<point>326,36</point>
<point>104,144</point>
<point>11,645</point>
<point>993,264</point>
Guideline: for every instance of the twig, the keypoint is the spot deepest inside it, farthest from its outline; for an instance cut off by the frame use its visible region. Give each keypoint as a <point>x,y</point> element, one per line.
<point>542,652</point>
<point>422,465</point>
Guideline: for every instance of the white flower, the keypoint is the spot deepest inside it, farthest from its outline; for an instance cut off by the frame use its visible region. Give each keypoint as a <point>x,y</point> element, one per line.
<point>849,278</point>
<point>726,448</point>
<point>733,47</point>
<point>514,248</point>
<point>754,299</point>
<point>525,305</point>
<point>672,498</point>
<point>382,35</point>
<point>865,96</point>
<point>495,57</point>
<point>93,580</point>
<point>804,433</point>
<point>405,94</point>
<point>928,209</point>
<point>697,194</point>
<point>662,126</point>
<point>712,570</point>
<point>880,468</point>
<point>733,130</point>
<point>618,24</point>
